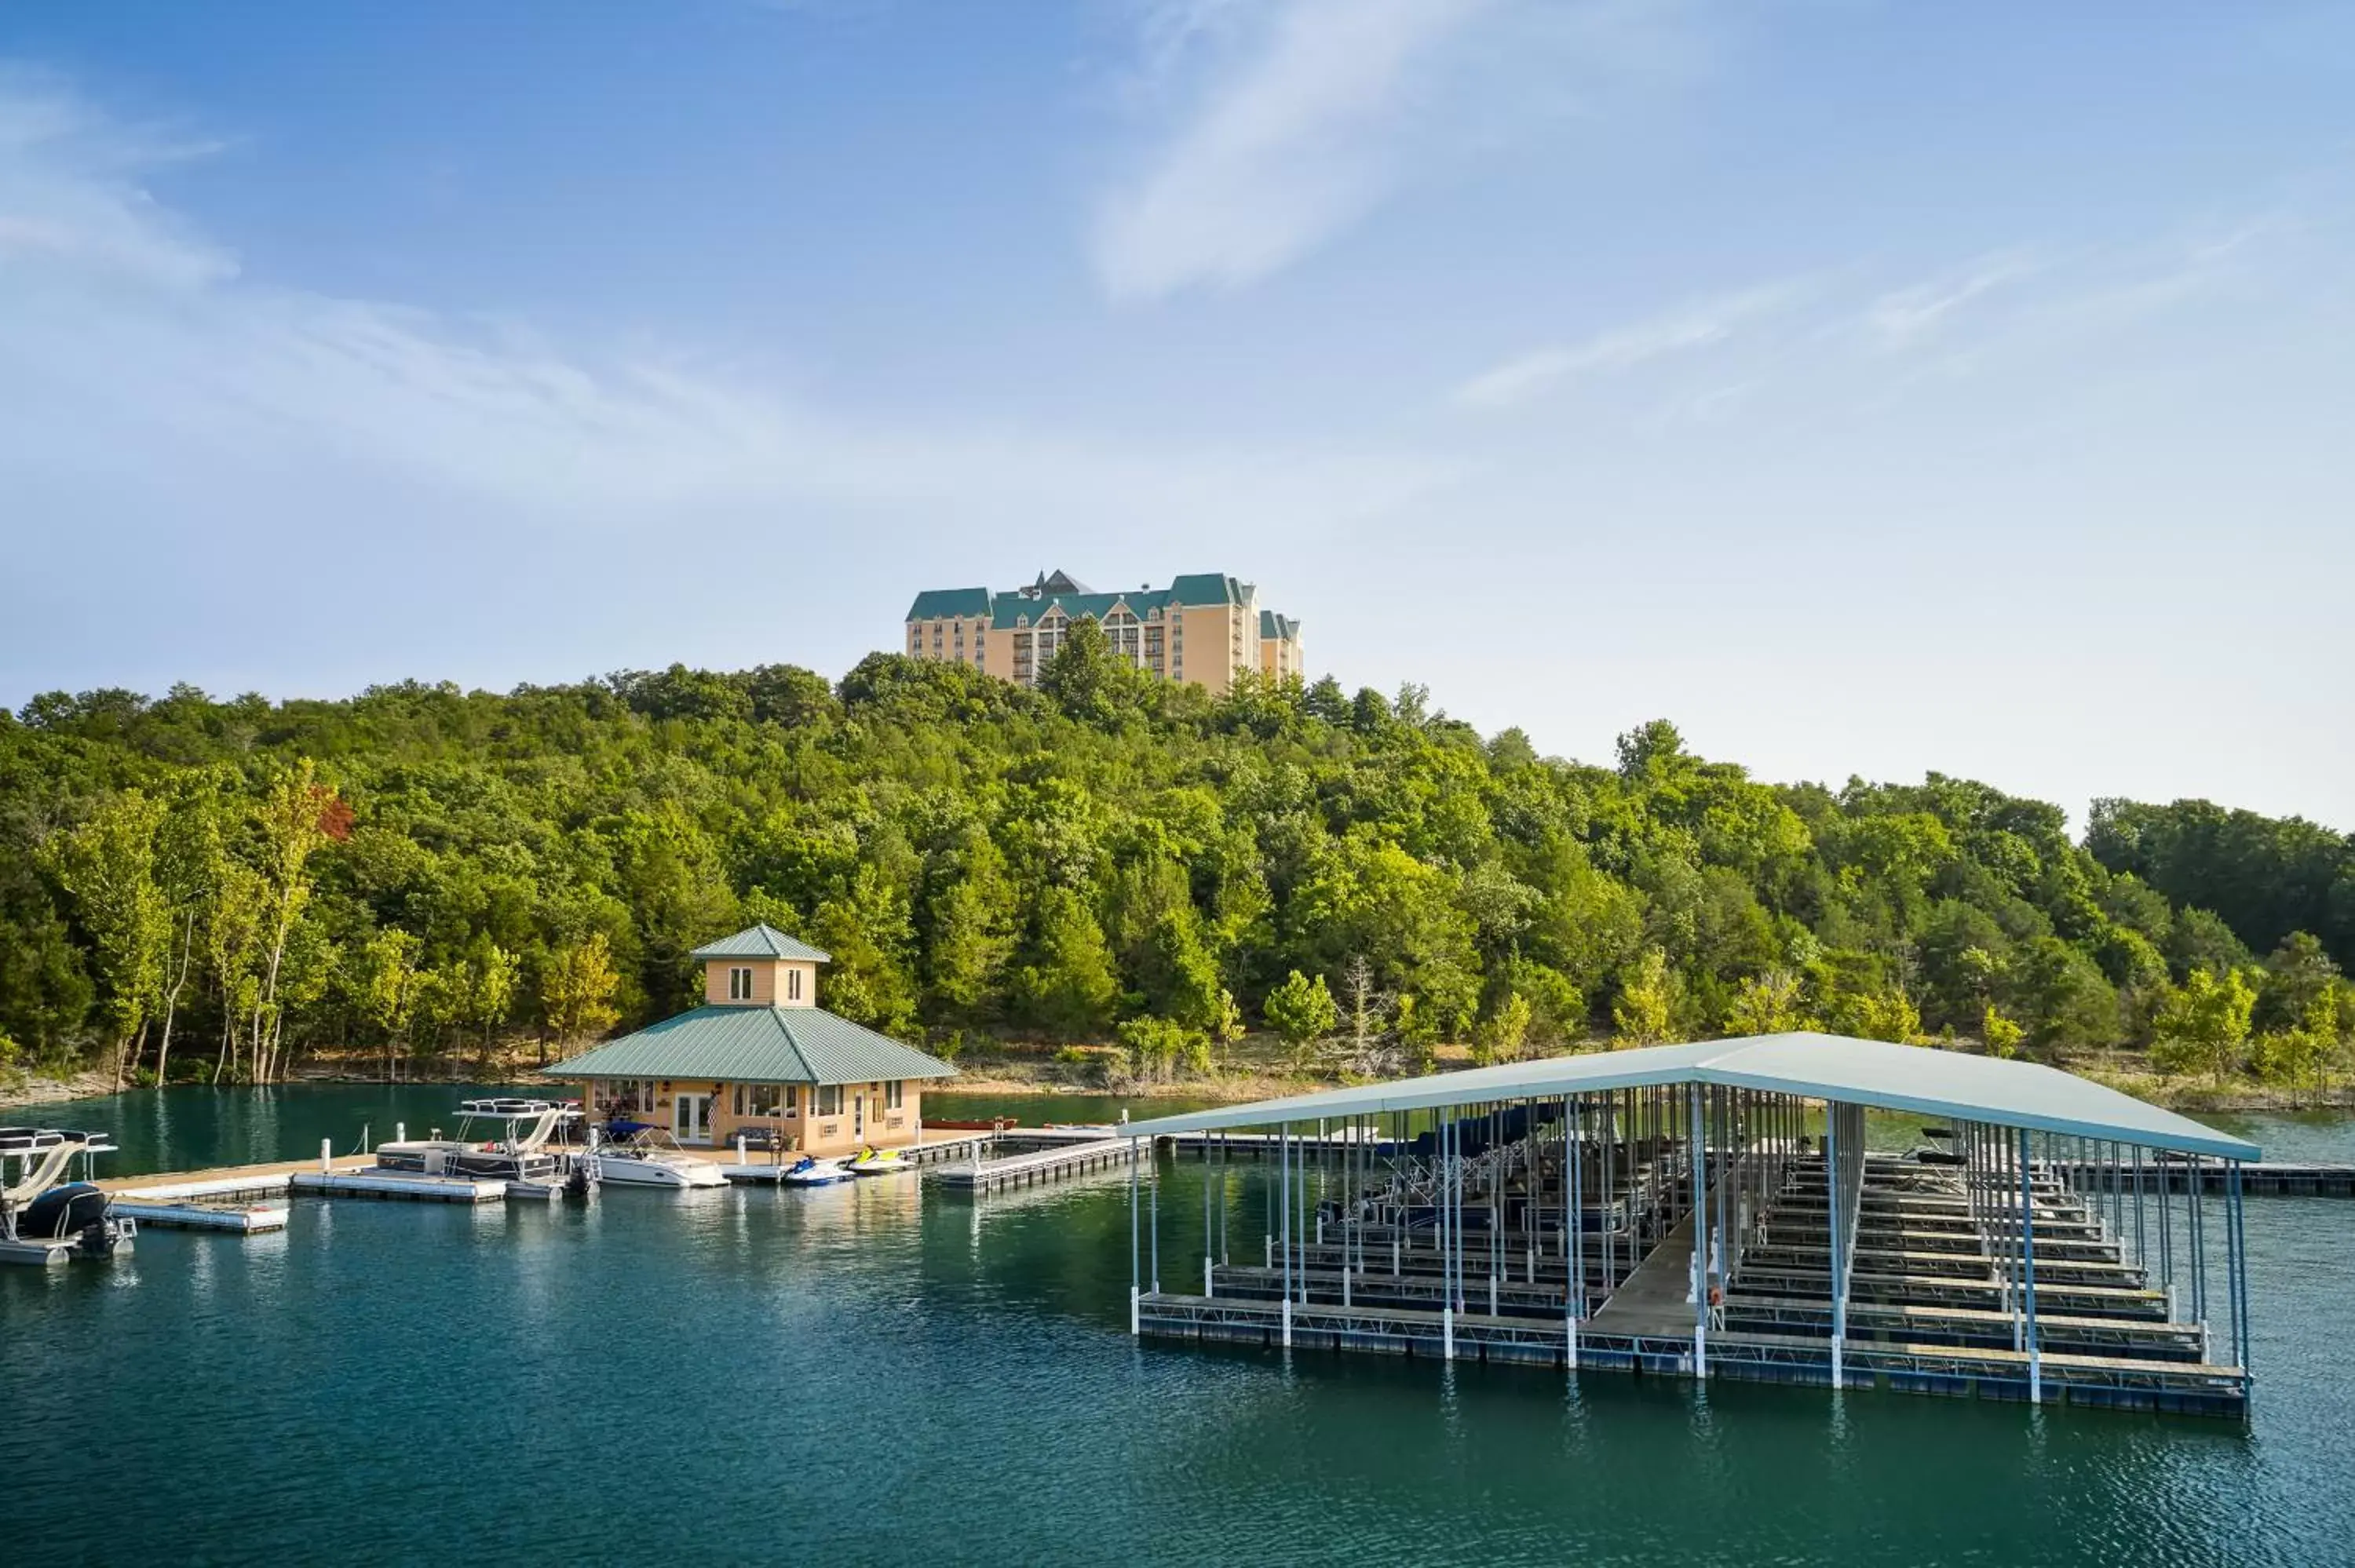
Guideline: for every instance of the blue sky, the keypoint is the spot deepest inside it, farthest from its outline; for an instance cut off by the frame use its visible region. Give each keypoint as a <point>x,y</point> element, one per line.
<point>1869,387</point>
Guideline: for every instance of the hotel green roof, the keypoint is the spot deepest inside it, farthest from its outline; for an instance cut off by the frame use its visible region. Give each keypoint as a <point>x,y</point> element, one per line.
<point>950,604</point>
<point>1208,587</point>
<point>1024,610</point>
<point>761,942</point>
<point>755,1046</point>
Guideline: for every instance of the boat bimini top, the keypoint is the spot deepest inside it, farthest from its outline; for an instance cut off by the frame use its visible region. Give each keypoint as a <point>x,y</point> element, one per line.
<point>43,1154</point>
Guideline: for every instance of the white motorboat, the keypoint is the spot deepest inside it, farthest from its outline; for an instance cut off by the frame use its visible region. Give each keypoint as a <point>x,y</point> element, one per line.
<point>652,1157</point>
<point>516,1150</point>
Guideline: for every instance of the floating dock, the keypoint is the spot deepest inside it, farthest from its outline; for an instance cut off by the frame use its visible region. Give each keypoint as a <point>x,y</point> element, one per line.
<point>398,1187</point>
<point>1675,1211</point>
<point>1040,1155</point>
<point>929,1150</point>
<point>200,1214</point>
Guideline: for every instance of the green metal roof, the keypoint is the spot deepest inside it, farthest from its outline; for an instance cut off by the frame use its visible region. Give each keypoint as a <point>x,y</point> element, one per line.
<point>1004,610</point>
<point>950,602</point>
<point>761,942</point>
<point>755,1046</point>
<point>1207,588</point>
<point>1011,607</point>
<point>1271,625</point>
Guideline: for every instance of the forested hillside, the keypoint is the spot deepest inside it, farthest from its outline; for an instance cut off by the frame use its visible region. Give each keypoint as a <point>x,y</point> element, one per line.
<point>418,871</point>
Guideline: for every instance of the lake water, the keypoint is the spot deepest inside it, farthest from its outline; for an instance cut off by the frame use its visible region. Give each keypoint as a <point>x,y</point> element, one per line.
<point>890,1372</point>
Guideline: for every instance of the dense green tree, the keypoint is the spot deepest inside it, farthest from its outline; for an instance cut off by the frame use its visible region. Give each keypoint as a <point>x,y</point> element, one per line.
<point>1646,1012</point>
<point>2204,1026</point>
<point>983,857</point>
<point>1068,988</point>
<point>1303,1011</point>
<point>107,866</point>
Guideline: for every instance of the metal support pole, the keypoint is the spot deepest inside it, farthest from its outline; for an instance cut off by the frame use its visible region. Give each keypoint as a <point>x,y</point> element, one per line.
<point>1210,1234</point>
<point>1700,1235</point>
<point>1153,1228</point>
<point>2241,1219</point>
<point>1574,1214</point>
<point>1133,1264</point>
<point>2167,1232</point>
<point>2027,1273</point>
<point>2197,1228</point>
<point>1839,1275</point>
<point>1284,1202</point>
<point>1442,1142</point>
<point>2141,1261</point>
<point>1721,1113</point>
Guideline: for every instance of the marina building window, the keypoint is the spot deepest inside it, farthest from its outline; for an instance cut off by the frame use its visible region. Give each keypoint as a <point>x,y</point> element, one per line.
<point>740,985</point>
<point>893,1096</point>
<point>828,1099</point>
<point>764,1099</point>
<point>793,985</point>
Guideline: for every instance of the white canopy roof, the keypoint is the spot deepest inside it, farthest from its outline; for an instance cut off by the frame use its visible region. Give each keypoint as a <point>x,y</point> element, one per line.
<point>1942,1083</point>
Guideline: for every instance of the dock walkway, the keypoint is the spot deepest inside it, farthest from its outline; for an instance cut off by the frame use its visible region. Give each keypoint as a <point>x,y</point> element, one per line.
<point>1068,1151</point>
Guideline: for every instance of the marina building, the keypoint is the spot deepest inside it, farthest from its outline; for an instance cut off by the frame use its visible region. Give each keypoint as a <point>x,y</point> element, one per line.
<point>1206,628</point>
<point>762,1059</point>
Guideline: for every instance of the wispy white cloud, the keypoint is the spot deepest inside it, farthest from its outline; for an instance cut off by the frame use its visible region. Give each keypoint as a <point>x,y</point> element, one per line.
<point>1278,124</point>
<point>153,334</point>
<point>1904,317</point>
<point>1285,147</point>
<point>1696,326</point>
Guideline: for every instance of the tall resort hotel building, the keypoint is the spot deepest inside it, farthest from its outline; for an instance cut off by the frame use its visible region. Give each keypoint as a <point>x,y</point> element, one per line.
<point>1206,628</point>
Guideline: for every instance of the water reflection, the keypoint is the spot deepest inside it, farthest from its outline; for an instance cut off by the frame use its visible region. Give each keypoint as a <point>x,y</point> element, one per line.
<point>787,1363</point>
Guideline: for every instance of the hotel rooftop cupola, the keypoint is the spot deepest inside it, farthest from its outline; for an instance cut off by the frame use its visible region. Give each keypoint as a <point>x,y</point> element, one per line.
<point>760,967</point>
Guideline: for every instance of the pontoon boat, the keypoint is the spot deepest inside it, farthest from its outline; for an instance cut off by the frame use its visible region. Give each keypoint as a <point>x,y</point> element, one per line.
<point>518,1151</point>
<point>44,1214</point>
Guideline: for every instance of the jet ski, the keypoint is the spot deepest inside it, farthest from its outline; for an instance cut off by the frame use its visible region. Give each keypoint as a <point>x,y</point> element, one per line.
<point>811,1172</point>
<point>873,1161</point>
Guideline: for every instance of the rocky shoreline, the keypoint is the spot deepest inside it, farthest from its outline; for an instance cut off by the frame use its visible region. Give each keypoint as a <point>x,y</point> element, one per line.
<point>2188,1095</point>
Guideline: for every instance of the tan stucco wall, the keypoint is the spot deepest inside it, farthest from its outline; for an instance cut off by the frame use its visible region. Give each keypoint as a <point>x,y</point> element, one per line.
<point>917,637</point>
<point>770,987</point>
<point>1208,645</point>
<point>1281,657</point>
<point>997,655</point>
<point>805,1132</point>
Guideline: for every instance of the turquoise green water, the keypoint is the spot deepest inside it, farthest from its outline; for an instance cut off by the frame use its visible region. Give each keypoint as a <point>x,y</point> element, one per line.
<point>887,1373</point>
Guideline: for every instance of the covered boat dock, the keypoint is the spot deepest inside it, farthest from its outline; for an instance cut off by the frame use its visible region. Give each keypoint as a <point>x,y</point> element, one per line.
<point>1712,1210</point>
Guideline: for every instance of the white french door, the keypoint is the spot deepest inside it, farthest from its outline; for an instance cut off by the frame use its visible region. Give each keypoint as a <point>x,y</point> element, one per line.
<point>691,1118</point>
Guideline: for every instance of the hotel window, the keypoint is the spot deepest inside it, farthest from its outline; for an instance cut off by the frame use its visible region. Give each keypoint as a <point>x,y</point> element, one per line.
<point>740,985</point>
<point>793,985</point>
